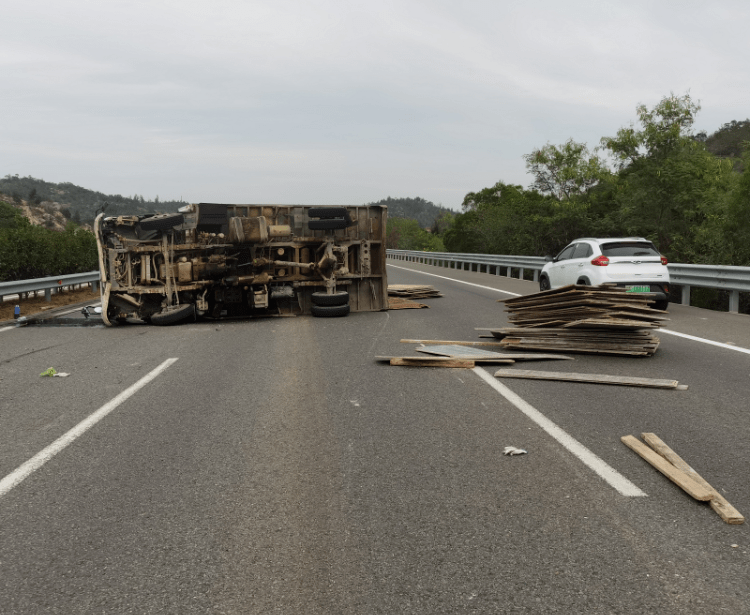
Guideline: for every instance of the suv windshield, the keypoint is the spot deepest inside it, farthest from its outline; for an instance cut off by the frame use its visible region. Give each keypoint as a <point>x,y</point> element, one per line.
<point>629,248</point>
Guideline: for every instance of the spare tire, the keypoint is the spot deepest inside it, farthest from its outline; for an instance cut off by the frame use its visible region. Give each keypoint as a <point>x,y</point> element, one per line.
<point>173,314</point>
<point>327,311</point>
<point>340,297</point>
<point>161,222</point>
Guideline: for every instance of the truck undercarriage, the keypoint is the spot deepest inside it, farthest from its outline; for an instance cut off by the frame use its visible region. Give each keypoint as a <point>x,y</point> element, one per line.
<point>215,260</point>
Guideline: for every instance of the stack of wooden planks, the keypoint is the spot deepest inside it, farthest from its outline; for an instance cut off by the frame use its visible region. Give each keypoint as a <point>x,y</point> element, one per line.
<point>584,319</point>
<point>413,291</point>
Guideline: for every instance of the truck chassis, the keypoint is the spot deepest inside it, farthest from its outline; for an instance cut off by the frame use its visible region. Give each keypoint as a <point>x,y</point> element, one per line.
<point>216,260</point>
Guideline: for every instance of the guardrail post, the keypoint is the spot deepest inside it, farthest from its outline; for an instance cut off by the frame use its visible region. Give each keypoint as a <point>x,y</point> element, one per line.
<point>734,301</point>
<point>685,295</point>
<point>536,275</point>
<point>507,273</point>
<point>94,287</point>
<point>48,294</point>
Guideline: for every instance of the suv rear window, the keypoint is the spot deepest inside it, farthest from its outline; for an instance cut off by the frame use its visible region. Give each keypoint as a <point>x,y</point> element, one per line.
<point>629,248</point>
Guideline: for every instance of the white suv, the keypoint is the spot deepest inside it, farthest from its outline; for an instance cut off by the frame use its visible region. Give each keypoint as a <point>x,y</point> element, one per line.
<point>632,262</point>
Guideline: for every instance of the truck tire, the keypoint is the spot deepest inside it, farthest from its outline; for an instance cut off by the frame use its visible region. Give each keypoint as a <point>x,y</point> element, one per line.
<point>161,222</point>
<point>328,311</point>
<point>340,297</point>
<point>327,224</point>
<point>661,305</point>
<point>173,314</point>
<point>328,212</point>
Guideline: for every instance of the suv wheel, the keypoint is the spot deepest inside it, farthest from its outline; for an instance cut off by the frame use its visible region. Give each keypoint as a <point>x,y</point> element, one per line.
<point>544,283</point>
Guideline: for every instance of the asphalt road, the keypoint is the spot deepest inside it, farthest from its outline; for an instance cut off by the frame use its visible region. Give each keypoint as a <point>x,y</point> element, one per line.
<point>275,467</point>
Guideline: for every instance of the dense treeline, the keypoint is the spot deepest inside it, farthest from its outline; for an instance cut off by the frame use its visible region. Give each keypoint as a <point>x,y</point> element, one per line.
<point>655,179</point>
<point>81,204</point>
<point>423,211</point>
<point>29,251</point>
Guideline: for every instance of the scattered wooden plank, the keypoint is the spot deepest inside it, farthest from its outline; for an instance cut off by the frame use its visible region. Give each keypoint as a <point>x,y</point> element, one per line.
<point>399,303</point>
<point>413,291</point>
<point>654,383</point>
<point>431,362</point>
<point>680,478</point>
<point>486,356</point>
<point>440,342</point>
<point>718,503</point>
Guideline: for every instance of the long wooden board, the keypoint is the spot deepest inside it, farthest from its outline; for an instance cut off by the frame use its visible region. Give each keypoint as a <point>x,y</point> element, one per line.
<point>718,503</point>
<point>441,342</point>
<point>678,477</point>
<point>654,383</point>
<point>431,362</point>
<point>480,353</point>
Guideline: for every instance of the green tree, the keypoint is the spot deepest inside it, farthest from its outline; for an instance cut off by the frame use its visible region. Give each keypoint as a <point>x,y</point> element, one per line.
<point>506,219</point>
<point>406,234</point>
<point>668,185</point>
<point>565,170</point>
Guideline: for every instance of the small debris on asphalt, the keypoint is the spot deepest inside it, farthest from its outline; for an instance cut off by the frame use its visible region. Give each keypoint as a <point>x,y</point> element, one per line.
<point>512,450</point>
<point>51,371</point>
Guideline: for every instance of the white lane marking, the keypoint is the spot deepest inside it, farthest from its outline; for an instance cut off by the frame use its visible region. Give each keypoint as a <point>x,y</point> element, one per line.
<point>669,331</point>
<point>600,467</point>
<point>37,461</point>
<point>6,329</point>
<point>442,277</point>
<point>705,341</point>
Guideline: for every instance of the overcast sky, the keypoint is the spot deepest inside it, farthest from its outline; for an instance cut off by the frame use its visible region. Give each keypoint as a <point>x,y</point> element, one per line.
<point>343,102</point>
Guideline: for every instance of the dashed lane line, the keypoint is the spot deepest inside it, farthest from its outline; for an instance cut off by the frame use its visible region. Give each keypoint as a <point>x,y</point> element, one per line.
<point>37,461</point>
<point>668,331</point>
<point>621,484</point>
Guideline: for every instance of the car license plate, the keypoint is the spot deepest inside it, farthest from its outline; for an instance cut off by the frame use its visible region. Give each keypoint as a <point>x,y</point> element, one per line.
<point>638,289</point>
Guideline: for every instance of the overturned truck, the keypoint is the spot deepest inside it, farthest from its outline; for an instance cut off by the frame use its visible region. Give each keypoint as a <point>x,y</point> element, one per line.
<point>214,260</point>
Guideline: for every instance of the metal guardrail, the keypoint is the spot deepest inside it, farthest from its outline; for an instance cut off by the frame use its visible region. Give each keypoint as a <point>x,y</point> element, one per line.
<point>47,284</point>
<point>445,259</point>
<point>732,279</point>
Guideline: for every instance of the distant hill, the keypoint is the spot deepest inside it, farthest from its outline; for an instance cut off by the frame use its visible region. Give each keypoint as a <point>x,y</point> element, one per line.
<point>423,211</point>
<point>727,141</point>
<point>76,203</point>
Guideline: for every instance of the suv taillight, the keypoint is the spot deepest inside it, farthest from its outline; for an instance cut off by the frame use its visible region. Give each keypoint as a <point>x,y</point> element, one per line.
<point>664,260</point>
<point>600,261</point>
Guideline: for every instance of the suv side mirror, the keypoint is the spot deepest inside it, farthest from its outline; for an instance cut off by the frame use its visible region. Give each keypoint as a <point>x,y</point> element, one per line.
<point>549,258</point>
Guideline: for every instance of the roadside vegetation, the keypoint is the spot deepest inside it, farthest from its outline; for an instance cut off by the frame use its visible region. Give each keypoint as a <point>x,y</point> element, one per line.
<point>31,251</point>
<point>688,193</point>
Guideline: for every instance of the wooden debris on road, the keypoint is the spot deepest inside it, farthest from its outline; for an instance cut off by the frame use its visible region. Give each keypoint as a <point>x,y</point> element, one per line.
<point>399,303</point>
<point>428,362</point>
<point>586,319</point>
<point>485,356</point>
<point>426,342</point>
<point>590,341</point>
<point>653,383</point>
<point>680,478</point>
<point>718,503</point>
<point>413,291</point>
